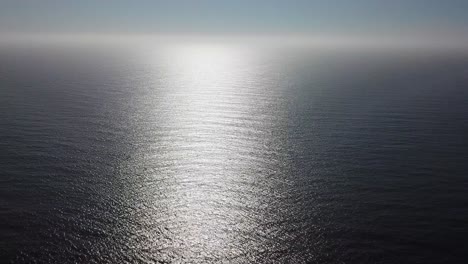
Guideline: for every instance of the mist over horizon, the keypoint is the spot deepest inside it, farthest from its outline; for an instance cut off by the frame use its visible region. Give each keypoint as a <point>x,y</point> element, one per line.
<point>384,42</point>
<point>337,23</point>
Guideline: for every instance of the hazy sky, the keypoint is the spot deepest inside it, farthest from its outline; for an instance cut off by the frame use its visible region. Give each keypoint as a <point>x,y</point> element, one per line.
<point>236,16</point>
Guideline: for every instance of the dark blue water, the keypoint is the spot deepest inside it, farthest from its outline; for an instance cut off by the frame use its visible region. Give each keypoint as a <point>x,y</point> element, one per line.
<point>209,153</point>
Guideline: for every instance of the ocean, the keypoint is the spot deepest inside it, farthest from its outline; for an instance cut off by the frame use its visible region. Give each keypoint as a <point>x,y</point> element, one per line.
<point>217,153</point>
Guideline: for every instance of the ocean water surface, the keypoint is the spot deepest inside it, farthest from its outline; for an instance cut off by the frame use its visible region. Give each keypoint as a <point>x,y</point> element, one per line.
<point>210,153</point>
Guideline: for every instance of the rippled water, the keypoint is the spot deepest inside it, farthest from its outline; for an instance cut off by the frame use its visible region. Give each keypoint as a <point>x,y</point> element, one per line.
<point>218,153</point>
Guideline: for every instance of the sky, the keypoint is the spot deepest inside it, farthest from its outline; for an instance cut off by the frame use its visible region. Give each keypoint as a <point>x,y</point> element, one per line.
<point>235,17</point>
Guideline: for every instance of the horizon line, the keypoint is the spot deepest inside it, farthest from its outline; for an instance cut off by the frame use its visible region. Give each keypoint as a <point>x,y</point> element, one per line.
<point>365,40</point>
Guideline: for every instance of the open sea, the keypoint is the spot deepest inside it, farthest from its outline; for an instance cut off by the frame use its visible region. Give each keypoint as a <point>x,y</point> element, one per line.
<point>217,153</point>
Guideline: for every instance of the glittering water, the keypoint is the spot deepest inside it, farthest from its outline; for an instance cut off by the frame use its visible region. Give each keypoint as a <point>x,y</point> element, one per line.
<point>219,153</point>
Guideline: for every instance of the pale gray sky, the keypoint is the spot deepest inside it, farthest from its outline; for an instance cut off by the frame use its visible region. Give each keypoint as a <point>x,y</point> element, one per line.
<point>239,16</point>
